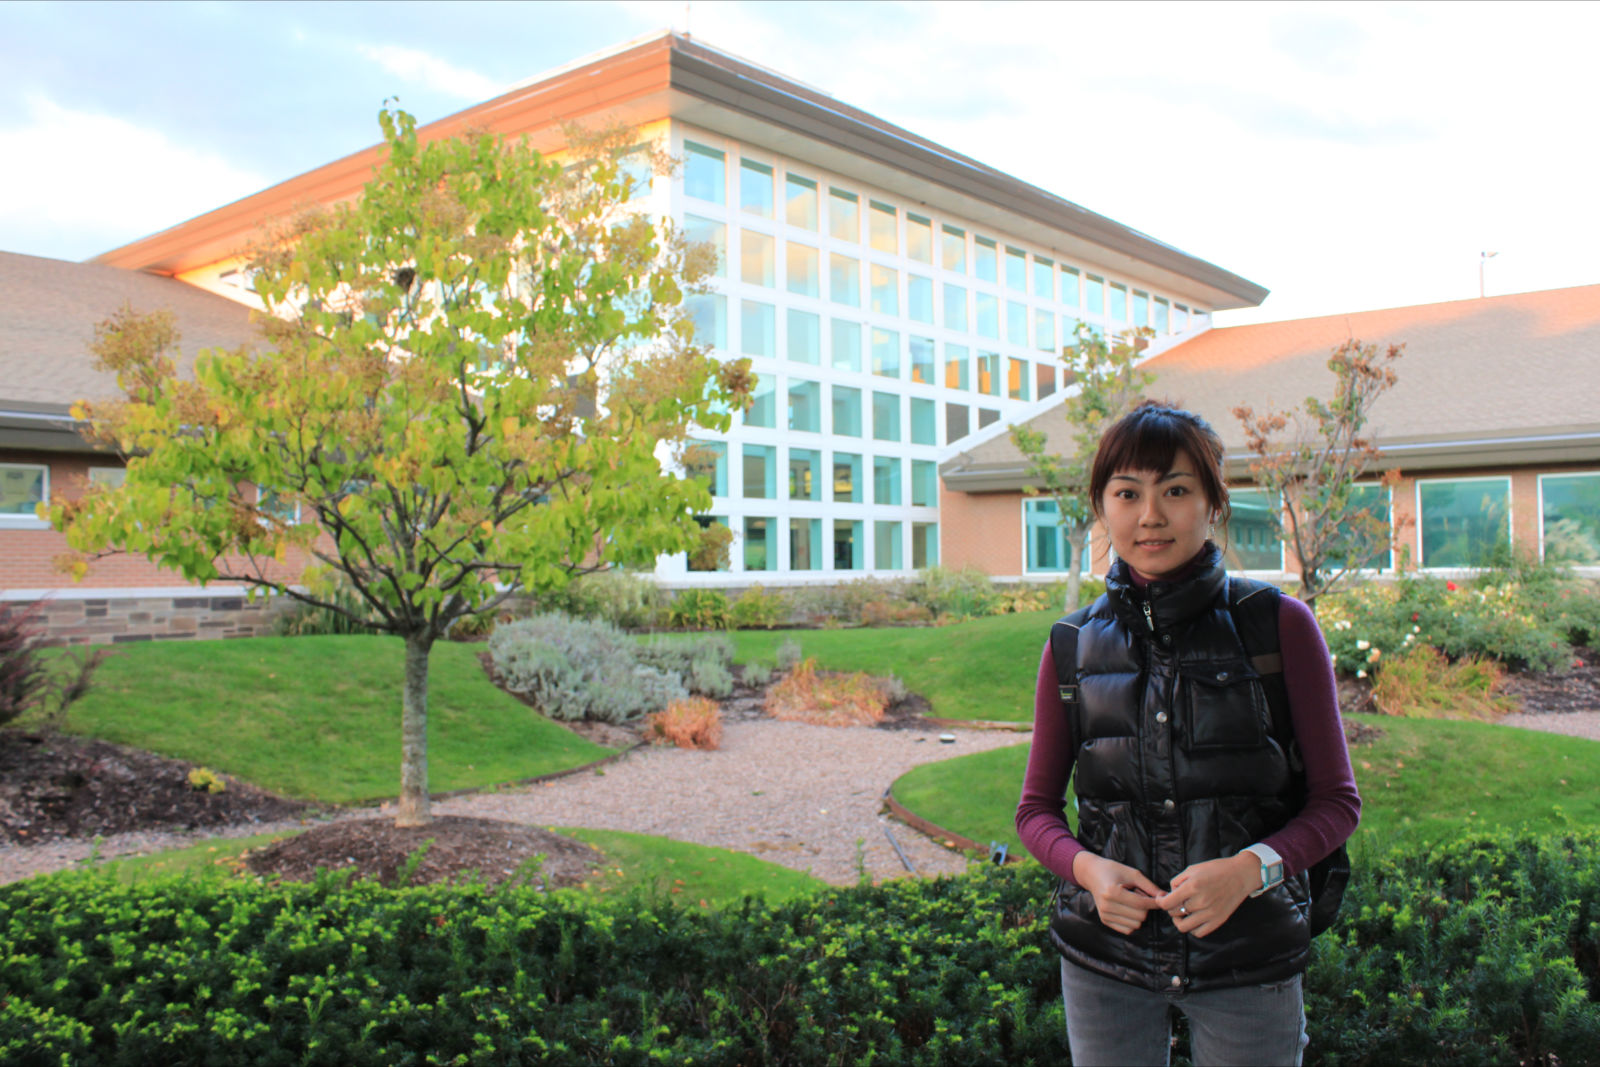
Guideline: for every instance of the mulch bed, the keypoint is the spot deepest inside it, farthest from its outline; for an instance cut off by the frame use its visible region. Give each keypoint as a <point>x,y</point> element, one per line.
<point>55,785</point>
<point>453,848</point>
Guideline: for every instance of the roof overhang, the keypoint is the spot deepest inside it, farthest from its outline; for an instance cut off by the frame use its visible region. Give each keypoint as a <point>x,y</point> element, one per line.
<point>41,428</point>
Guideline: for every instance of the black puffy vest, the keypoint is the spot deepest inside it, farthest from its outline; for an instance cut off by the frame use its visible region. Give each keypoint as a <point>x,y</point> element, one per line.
<point>1176,764</point>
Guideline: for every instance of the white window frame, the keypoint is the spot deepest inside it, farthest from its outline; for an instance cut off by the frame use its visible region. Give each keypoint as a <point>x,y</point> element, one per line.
<point>1587,569</point>
<point>1416,499</point>
<point>1085,566</point>
<point>29,521</point>
<point>1283,546</point>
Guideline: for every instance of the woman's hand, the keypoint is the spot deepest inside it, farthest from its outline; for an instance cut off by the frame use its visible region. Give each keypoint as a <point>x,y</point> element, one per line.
<point>1205,895</point>
<point>1122,896</point>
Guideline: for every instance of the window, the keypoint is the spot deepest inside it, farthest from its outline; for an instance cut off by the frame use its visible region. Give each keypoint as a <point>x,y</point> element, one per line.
<point>1094,294</point>
<point>805,405</point>
<point>919,238</point>
<point>885,290</point>
<point>846,411</point>
<point>760,472</point>
<point>1251,538</point>
<point>846,478</point>
<point>705,173</point>
<point>703,231</point>
<point>805,544</point>
<point>919,298</point>
<point>1180,318</point>
<point>924,544</point>
<point>708,461</point>
<point>1141,308</point>
<point>800,202</point>
<point>1044,330</point>
<point>885,416</point>
<point>805,337</point>
<point>844,280</point>
<point>271,503</point>
<point>763,403</point>
<point>1016,323</point>
<point>1119,303</point>
<point>709,313</point>
<point>1017,379</point>
<point>1044,377</point>
<point>1069,332</point>
<point>1044,278</point>
<point>955,367</point>
<point>922,360</point>
<point>23,487</point>
<point>985,259</point>
<point>924,422</point>
<point>1465,522</point>
<point>1069,286</point>
<point>987,314</point>
<point>885,353</point>
<point>1569,518</point>
<point>886,545</point>
<point>1375,500</point>
<point>924,483</point>
<point>987,417</point>
<point>886,480</point>
<point>758,328</point>
<point>804,270</point>
<point>758,258</point>
<point>755,188</point>
<point>953,250</point>
<point>844,216</point>
<point>846,544</point>
<point>1047,539</point>
<point>957,422</point>
<point>883,226</point>
<point>698,562</point>
<point>1163,322</point>
<point>635,169</point>
<point>107,477</point>
<point>1016,269</point>
<point>989,373</point>
<point>846,337</point>
<point>758,555</point>
<point>955,307</point>
<point>805,474</point>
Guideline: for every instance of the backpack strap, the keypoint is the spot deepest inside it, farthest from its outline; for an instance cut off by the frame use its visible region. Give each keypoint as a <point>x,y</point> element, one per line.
<point>1253,606</point>
<point>1064,650</point>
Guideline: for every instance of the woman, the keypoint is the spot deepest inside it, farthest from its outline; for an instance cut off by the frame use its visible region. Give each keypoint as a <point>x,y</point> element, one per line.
<point>1184,887</point>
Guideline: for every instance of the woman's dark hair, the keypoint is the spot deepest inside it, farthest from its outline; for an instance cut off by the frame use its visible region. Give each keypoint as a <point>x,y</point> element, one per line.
<point>1147,439</point>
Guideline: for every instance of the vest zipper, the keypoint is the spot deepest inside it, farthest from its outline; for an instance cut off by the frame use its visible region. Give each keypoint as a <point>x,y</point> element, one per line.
<point>1148,619</point>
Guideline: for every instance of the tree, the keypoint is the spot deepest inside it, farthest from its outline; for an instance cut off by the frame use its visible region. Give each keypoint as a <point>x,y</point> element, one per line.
<point>1311,461</point>
<point>472,381</point>
<point>1108,383</point>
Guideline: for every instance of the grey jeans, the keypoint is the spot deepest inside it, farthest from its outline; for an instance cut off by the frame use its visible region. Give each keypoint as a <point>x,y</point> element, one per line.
<point>1111,1022</point>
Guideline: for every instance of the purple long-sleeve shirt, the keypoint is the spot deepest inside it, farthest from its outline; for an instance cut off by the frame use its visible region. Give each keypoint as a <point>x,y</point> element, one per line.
<point>1333,807</point>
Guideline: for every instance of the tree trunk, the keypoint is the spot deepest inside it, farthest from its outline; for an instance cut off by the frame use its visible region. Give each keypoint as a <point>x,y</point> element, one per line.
<point>413,810</point>
<point>1075,538</point>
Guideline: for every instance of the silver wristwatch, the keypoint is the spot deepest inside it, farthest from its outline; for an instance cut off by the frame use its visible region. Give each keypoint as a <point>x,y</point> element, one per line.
<point>1271,867</point>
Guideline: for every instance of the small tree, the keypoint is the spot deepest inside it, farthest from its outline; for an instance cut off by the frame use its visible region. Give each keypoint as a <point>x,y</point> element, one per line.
<point>474,375</point>
<point>1107,384</point>
<point>30,683</point>
<point>1311,461</point>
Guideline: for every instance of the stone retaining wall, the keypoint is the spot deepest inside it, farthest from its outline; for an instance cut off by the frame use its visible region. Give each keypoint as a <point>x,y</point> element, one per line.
<point>120,620</point>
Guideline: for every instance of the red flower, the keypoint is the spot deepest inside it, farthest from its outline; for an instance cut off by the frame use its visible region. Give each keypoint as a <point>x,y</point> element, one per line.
<point>1415,617</point>
<point>1451,586</point>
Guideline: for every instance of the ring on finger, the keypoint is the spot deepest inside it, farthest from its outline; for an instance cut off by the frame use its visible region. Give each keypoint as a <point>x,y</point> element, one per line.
<point>1183,909</point>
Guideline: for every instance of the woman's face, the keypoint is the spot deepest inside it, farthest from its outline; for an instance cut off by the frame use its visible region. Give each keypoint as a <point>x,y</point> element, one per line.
<point>1157,521</point>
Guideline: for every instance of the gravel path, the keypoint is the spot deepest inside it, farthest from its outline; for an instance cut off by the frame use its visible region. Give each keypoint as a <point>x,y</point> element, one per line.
<point>1584,724</point>
<point>787,792</point>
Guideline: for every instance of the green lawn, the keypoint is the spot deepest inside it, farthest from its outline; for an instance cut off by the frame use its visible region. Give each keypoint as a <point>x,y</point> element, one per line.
<point>319,717</point>
<point>657,866</point>
<point>983,669</point>
<point>1423,781</point>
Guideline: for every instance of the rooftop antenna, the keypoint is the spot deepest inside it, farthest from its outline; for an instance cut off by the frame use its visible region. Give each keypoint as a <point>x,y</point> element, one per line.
<point>1483,258</point>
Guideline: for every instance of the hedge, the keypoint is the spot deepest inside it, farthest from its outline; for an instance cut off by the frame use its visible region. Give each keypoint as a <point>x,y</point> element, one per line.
<point>1483,951</point>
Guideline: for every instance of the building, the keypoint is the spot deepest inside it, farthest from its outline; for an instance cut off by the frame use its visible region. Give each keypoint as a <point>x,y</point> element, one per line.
<point>1492,426</point>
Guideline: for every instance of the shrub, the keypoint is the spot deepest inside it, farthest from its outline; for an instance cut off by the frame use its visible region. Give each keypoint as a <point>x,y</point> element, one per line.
<point>710,676</point>
<point>580,669</point>
<point>694,722</point>
<point>472,627</point>
<point>757,609</point>
<point>700,609</point>
<point>842,604</point>
<point>625,600</point>
<point>703,662</point>
<point>31,682</point>
<point>756,675</point>
<point>804,695</point>
<point>1421,683</point>
<point>788,654</point>
<point>967,593</point>
<point>349,614</point>
<point>895,613</point>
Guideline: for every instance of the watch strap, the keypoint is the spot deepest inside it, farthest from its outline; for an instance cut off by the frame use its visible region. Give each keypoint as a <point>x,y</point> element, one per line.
<point>1271,867</point>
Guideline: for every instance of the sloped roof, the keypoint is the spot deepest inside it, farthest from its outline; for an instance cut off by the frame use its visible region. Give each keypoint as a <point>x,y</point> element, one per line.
<point>1506,379</point>
<point>674,74</point>
<point>48,311</point>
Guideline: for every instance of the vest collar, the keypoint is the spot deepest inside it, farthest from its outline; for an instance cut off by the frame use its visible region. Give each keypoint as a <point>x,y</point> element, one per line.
<point>1171,603</point>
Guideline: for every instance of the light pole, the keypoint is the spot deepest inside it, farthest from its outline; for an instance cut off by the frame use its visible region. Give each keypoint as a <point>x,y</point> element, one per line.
<point>1483,257</point>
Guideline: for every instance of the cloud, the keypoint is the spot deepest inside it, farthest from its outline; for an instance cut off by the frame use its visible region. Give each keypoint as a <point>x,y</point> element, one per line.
<point>421,68</point>
<point>87,177</point>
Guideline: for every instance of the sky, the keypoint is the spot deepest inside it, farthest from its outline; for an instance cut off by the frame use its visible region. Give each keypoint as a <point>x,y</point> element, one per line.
<point>1347,156</point>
